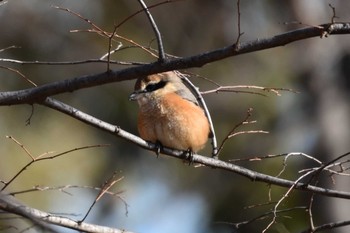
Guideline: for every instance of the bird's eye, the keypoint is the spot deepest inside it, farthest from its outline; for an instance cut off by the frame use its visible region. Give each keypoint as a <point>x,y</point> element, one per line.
<point>155,86</point>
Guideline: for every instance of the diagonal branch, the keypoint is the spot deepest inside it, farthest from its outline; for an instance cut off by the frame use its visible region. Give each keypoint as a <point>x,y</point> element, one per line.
<point>195,158</point>
<point>328,226</point>
<point>11,205</point>
<point>156,31</point>
<point>38,94</point>
<point>202,103</point>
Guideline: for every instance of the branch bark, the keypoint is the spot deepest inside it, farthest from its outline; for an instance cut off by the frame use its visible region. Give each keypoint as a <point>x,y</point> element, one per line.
<point>38,94</point>
<point>11,205</point>
<point>195,158</point>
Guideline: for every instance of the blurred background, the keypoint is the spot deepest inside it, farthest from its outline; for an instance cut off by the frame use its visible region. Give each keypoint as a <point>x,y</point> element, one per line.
<point>164,194</point>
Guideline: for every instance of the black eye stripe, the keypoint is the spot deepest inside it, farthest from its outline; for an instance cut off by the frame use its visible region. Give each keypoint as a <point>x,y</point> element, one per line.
<point>155,86</point>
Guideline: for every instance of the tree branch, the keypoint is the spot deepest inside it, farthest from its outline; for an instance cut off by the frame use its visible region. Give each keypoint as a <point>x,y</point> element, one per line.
<point>37,94</point>
<point>161,57</point>
<point>195,158</point>
<point>11,205</point>
<point>328,226</point>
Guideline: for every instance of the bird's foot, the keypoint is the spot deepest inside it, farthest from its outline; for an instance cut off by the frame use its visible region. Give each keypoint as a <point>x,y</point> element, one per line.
<point>158,147</point>
<point>189,156</point>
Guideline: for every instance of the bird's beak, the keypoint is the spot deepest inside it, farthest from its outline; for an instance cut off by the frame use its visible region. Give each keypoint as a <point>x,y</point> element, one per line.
<point>135,95</point>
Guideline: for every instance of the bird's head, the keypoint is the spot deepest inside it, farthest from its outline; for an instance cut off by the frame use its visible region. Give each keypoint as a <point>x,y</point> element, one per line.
<point>156,86</point>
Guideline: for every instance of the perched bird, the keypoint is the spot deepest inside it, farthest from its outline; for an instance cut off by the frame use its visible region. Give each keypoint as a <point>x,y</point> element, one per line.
<point>169,113</point>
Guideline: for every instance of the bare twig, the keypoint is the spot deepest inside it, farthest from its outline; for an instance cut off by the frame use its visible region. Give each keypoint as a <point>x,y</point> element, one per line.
<point>238,25</point>
<point>296,154</point>
<point>139,11</point>
<point>11,205</point>
<point>92,24</point>
<point>328,226</point>
<point>30,115</point>
<point>275,90</point>
<point>20,74</point>
<point>110,39</point>
<point>62,188</point>
<point>330,168</point>
<point>207,113</point>
<point>39,93</point>
<point>105,188</point>
<point>9,47</point>
<point>232,133</point>
<point>334,16</point>
<point>309,209</point>
<point>291,188</point>
<point>22,146</point>
<point>110,52</point>
<point>161,57</point>
<point>148,50</point>
<point>41,158</point>
<point>60,63</point>
<point>258,158</point>
<point>320,169</point>
<point>135,44</point>
<point>121,23</point>
<point>261,217</point>
<point>101,32</point>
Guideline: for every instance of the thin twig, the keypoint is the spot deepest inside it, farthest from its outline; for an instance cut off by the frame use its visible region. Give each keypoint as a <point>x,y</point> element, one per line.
<point>161,57</point>
<point>9,47</point>
<point>328,226</point>
<point>110,52</point>
<point>139,11</point>
<point>30,115</point>
<point>291,188</point>
<point>20,74</point>
<point>148,50</point>
<point>309,209</point>
<point>202,103</point>
<point>22,146</point>
<point>275,90</point>
<point>328,169</point>
<point>334,13</point>
<point>296,154</point>
<point>320,169</point>
<point>83,18</point>
<point>87,61</point>
<point>261,217</point>
<point>232,133</point>
<point>238,25</point>
<point>100,31</point>
<point>63,188</point>
<point>41,158</point>
<point>110,39</point>
<point>105,188</point>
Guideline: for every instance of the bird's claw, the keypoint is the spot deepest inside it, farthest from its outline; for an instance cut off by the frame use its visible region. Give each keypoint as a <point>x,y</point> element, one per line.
<point>189,156</point>
<point>158,147</point>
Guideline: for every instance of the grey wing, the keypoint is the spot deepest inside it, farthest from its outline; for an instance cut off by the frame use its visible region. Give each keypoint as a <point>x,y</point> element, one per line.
<point>187,94</point>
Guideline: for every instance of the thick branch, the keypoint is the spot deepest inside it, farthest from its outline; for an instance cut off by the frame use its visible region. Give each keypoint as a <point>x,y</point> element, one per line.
<point>11,205</point>
<point>210,162</point>
<point>38,94</point>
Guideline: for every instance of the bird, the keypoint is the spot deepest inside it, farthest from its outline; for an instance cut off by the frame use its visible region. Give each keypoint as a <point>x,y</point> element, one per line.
<point>169,113</point>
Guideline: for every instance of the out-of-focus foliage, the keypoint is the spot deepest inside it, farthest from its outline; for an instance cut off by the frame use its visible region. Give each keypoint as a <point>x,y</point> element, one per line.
<point>164,194</point>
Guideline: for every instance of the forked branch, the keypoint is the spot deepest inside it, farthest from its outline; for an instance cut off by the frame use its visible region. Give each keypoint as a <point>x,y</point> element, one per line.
<point>37,94</point>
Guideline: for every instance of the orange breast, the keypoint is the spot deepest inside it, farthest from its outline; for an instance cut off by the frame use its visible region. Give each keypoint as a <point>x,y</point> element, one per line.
<point>174,122</point>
